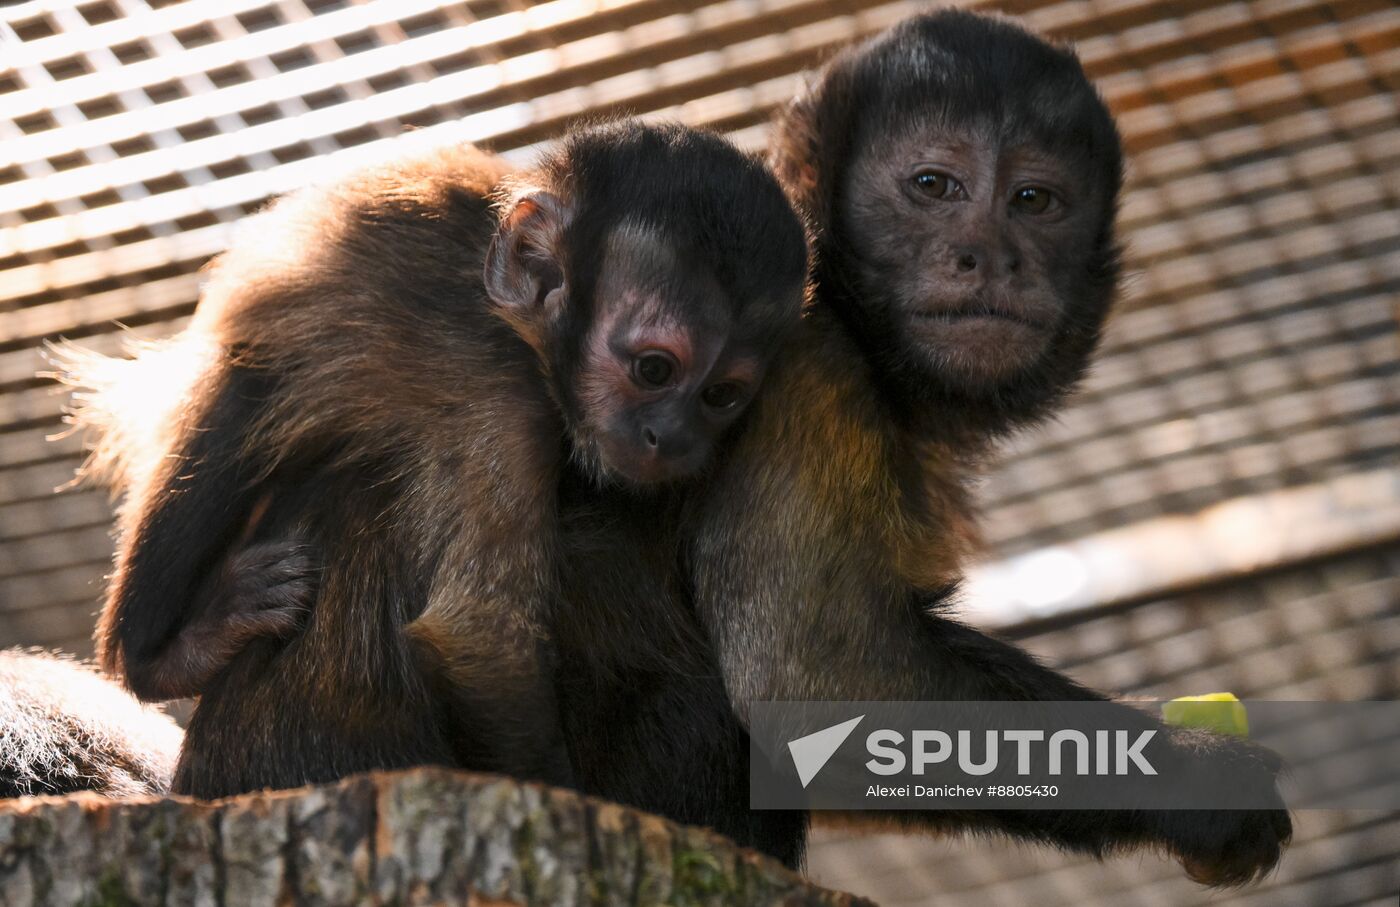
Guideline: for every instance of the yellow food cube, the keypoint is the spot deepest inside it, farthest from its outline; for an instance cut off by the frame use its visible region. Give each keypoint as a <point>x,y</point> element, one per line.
<point>1219,712</point>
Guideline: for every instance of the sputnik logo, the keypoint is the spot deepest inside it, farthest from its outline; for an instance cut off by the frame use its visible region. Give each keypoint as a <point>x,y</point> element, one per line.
<point>811,753</point>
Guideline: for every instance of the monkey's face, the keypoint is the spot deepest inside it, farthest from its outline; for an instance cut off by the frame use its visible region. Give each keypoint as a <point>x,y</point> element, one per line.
<point>651,359</point>
<point>971,251</point>
<point>667,365</point>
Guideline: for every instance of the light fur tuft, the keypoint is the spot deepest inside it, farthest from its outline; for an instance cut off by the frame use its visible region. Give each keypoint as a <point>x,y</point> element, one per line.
<point>127,406</point>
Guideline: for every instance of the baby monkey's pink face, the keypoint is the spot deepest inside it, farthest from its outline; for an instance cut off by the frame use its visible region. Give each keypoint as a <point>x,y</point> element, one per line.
<point>977,245</point>
<point>669,363</point>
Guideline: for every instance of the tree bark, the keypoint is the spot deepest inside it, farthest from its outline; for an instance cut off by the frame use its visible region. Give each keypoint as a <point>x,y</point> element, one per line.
<point>426,836</point>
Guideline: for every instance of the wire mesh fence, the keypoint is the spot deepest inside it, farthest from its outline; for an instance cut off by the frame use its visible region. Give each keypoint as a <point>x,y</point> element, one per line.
<point>1255,352</point>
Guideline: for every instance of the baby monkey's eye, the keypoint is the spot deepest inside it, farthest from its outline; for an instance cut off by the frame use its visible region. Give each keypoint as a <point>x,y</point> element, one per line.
<point>1033,199</point>
<point>936,185</point>
<point>653,369</point>
<point>724,395</point>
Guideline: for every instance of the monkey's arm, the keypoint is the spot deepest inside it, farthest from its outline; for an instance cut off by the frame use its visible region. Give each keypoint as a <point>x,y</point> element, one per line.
<point>161,613</point>
<point>885,647</point>
<point>794,581</point>
<point>1216,847</point>
<point>264,589</point>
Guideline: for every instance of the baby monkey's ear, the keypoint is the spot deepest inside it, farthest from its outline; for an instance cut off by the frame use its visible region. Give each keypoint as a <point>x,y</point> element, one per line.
<point>525,263</point>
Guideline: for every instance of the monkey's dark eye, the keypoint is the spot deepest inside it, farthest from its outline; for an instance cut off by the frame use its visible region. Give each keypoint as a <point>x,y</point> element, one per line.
<point>724,395</point>
<point>653,369</point>
<point>935,184</point>
<point>1032,199</point>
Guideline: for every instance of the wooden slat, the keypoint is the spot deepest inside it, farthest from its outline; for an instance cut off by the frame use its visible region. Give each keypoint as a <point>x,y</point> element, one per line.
<point>37,481</point>
<point>47,626</point>
<point>59,513</point>
<point>73,317</point>
<point>85,548</point>
<point>35,591</point>
<point>29,445</point>
<point>459,86</point>
<point>568,63</point>
<point>169,19</point>
<point>103,309</point>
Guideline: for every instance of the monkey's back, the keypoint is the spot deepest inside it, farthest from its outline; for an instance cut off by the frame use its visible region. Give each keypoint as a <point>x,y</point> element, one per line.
<point>364,299</point>
<point>403,427</point>
<point>363,305</point>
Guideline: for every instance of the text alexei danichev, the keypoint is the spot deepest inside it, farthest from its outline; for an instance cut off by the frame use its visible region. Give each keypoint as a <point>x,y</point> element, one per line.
<point>919,790</point>
<point>958,792</point>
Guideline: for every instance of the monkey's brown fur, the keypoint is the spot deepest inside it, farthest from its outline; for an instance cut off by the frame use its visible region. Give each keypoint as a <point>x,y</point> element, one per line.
<point>474,503</point>
<point>308,301</point>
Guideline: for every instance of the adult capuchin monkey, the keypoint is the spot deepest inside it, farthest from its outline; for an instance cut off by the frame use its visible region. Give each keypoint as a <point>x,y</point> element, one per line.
<point>397,379</point>
<point>961,176</point>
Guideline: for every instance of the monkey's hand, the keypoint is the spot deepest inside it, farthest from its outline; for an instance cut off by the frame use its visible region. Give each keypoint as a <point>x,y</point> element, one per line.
<point>263,590</point>
<point>1227,846</point>
<point>266,590</point>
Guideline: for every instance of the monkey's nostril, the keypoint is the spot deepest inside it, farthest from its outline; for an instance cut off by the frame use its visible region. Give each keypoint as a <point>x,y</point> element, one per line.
<point>649,436</point>
<point>967,262</point>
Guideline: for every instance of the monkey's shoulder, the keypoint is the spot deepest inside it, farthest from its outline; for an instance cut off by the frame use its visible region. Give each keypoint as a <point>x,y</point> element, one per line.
<point>820,405</point>
<point>386,264</point>
<point>365,300</point>
<point>442,196</point>
<point>408,231</point>
<point>814,460</point>
<point>447,186</point>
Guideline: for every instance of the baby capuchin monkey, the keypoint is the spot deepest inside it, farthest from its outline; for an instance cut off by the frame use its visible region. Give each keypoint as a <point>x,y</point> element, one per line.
<point>398,368</point>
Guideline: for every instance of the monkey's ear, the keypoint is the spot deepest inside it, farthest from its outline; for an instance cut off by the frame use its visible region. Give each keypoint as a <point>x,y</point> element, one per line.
<point>525,262</point>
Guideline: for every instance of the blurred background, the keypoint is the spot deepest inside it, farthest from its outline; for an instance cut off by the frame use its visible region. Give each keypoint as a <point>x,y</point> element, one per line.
<point>1218,510</point>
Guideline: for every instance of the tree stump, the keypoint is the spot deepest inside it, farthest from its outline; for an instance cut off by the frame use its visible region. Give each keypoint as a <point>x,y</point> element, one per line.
<point>426,836</point>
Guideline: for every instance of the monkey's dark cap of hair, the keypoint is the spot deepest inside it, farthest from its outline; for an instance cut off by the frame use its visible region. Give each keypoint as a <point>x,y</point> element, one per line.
<point>952,68</point>
<point>966,67</point>
<point>717,206</point>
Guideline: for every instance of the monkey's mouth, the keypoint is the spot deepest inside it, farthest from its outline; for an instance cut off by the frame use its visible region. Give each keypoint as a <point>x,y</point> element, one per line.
<point>975,313</point>
<point>637,468</point>
<point>1027,310</point>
